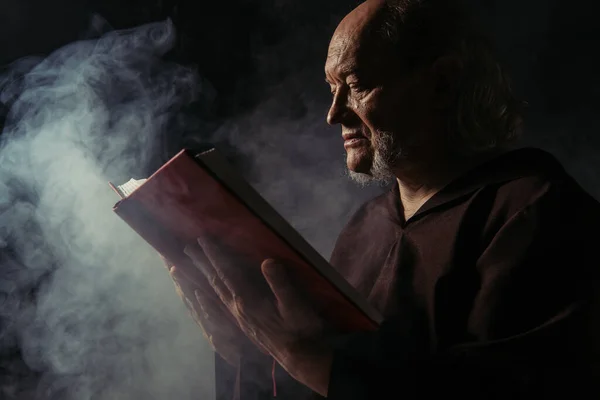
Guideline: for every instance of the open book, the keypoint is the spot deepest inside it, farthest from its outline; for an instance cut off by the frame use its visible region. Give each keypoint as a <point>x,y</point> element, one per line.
<point>128,187</point>
<point>196,192</point>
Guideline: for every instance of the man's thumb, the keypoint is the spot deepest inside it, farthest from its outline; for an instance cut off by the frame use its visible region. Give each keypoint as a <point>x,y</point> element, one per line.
<point>278,279</point>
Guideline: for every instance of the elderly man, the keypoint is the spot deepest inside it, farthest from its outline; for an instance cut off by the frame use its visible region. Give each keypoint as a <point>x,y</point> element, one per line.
<point>481,258</point>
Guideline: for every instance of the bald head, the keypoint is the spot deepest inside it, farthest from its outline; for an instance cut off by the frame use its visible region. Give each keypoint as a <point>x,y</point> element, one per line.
<point>365,15</point>
<point>354,33</point>
<point>416,30</point>
<point>411,76</point>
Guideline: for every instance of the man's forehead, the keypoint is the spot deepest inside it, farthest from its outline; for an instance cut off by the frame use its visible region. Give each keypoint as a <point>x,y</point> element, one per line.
<point>340,60</point>
<point>352,54</point>
<point>350,37</point>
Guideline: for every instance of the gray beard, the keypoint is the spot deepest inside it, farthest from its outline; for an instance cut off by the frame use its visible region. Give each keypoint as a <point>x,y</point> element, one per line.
<point>387,154</point>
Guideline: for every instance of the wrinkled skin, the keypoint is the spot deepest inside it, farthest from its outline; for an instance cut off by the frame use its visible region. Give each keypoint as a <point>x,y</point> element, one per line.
<point>375,93</point>
<point>224,336</point>
<point>274,315</point>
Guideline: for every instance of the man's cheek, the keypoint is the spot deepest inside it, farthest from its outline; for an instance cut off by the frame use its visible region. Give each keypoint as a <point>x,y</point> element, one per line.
<point>378,121</point>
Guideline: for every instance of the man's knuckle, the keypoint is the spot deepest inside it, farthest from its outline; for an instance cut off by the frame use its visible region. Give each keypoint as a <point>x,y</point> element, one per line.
<point>239,304</point>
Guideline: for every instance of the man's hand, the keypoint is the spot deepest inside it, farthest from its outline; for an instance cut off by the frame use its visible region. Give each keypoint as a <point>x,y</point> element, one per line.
<point>223,334</point>
<point>275,315</point>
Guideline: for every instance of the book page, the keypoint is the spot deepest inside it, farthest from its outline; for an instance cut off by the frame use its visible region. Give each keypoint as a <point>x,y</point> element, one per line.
<point>128,187</point>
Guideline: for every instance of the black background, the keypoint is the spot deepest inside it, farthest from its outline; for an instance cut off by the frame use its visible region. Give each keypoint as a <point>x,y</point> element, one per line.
<point>246,46</point>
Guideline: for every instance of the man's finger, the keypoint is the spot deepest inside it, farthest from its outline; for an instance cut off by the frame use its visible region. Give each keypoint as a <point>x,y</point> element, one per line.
<point>176,278</point>
<point>227,332</point>
<point>197,257</point>
<point>212,274</point>
<point>234,270</point>
<point>219,323</point>
<point>222,290</point>
<point>188,287</point>
<point>182,288</point>
<point>196,254</point>
<point>175,274</point>
<point>223,259</point>
<point>168,264</point>
<point>222,266</point>
<point>205,309</point>
<point>292,305</point>
<point>194,277</point>
<point>279,282</point>
<point>210,304</point>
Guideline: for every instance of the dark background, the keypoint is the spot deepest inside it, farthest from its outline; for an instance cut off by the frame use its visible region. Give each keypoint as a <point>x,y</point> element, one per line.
<point>246,46</point>
<point>249,49</point>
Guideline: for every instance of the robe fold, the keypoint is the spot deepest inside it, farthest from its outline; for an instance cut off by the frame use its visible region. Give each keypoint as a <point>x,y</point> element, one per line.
<point>489,291</point>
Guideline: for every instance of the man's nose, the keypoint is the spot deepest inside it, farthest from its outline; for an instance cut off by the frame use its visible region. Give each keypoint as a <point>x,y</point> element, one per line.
<point>338,110</point>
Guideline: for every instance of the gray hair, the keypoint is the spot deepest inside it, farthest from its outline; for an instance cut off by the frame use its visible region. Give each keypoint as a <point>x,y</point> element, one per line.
<point>486,115</point>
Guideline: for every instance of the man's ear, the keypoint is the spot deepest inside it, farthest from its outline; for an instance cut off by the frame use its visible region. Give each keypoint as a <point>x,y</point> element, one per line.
<point>445,73</point>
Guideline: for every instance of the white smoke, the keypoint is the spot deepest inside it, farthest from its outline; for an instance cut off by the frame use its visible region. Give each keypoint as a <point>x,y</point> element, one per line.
<point>104,321</point>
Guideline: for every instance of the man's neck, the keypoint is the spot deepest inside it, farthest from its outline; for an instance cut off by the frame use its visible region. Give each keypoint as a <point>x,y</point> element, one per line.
<point>418,183</point>
<point>413,196</point>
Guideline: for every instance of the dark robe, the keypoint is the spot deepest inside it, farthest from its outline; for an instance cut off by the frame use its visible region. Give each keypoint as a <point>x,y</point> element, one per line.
<point>487,291</point>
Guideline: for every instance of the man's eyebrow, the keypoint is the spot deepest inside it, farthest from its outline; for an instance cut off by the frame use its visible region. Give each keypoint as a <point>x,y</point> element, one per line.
<point>345,71</point>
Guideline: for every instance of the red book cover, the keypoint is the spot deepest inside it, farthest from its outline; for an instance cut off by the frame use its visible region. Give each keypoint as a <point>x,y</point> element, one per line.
<point>195,193</point>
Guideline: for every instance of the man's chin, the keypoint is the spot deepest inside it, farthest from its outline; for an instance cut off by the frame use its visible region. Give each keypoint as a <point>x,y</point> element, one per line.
<point>360,178</point>
<point>359,162</point>
<point>366,170</point>
<point>360,173</point>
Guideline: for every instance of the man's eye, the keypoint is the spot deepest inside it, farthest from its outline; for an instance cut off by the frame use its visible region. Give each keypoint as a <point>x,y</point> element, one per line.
<point>356,87</point>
